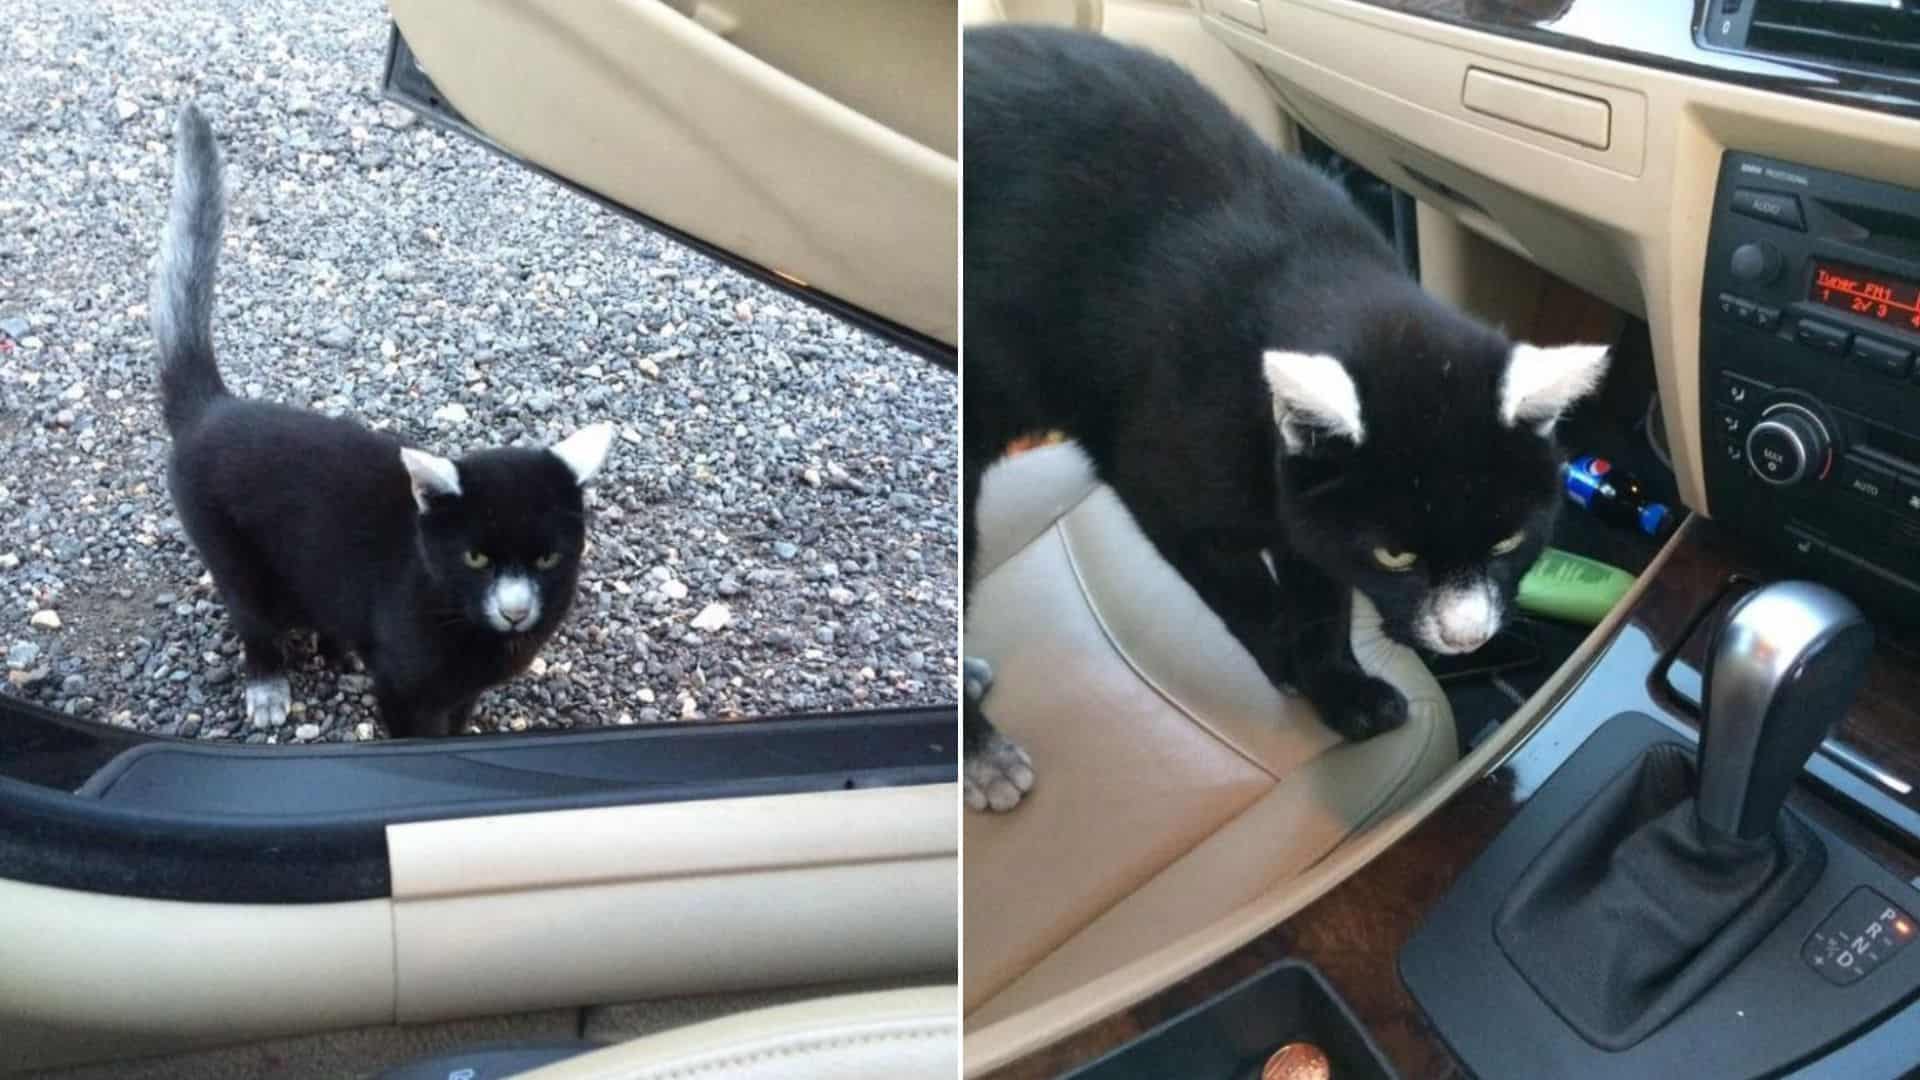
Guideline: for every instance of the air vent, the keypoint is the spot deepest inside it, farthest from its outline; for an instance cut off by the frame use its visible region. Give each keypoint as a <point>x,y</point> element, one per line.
<point>1867,35</point>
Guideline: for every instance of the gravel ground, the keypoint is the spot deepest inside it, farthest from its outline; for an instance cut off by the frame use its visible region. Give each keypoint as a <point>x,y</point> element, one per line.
<point>775,529</point>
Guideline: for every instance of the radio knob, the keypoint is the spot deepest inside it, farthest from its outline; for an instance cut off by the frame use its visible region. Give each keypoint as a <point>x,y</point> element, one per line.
<point>1756,263</point>
<point>1789,445</point>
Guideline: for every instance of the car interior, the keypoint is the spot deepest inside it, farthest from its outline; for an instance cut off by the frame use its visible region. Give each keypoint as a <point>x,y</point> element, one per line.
<point>1675,835</point>
<point>658,900</point>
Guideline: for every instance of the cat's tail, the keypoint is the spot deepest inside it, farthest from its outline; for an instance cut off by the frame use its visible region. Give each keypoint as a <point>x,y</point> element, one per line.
<point>181,306</point>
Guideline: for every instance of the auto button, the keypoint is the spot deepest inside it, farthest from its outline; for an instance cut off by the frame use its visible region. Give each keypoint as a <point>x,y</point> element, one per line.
<point>1868,482</point>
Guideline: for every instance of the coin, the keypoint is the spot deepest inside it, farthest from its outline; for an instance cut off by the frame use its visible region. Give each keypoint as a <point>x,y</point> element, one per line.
<point>1298,1061</point>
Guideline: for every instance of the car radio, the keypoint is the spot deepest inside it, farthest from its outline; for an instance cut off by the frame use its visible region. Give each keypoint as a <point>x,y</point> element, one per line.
<point>1809,392</point>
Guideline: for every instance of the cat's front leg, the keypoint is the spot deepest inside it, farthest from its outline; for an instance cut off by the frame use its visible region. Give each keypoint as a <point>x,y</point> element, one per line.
<point>1317,651</point>
<point>461,713</point>
<point>998,773</point>
<point>405,712</point>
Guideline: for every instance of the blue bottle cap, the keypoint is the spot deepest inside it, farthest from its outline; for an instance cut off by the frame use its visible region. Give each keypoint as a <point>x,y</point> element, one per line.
<point>1652,517</point>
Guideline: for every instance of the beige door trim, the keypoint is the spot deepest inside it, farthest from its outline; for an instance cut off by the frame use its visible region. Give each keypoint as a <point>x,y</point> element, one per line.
<point>655,111</point>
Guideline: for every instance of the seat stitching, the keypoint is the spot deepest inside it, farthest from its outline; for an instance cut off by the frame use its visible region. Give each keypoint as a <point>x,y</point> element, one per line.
<point>800,1045</point>
<point>1093,485</point>
<point>1106,630</point>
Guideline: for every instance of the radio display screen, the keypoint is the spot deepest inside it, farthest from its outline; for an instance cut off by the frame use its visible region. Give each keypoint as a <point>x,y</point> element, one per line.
<point>1864,292</point>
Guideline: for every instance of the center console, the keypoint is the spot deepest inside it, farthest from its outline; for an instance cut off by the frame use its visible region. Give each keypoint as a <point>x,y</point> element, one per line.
<point>1419,946</point>
<point>1654,918</point>
<point>1808,377</point>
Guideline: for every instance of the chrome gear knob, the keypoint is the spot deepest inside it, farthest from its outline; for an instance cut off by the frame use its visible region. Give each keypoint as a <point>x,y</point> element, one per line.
<point>1783,668</point>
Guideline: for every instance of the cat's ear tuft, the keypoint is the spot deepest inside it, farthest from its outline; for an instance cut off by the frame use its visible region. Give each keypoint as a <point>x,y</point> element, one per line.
<point>433,476</point>
<point>1543,383</point>
<point>1313,397</point>
<point>584,451</point>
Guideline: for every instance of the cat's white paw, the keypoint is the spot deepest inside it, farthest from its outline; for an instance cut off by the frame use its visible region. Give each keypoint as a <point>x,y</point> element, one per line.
<point>268,700</point>
<point>977,677</point>
<point>998,776</point>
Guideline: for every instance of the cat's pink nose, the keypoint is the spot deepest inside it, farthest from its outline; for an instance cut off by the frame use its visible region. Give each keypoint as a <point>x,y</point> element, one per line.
<point>515,611</point>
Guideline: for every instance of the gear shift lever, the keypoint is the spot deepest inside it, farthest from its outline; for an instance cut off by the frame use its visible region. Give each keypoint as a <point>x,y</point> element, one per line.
<point>1662,883</point>
<point>1783,667</point>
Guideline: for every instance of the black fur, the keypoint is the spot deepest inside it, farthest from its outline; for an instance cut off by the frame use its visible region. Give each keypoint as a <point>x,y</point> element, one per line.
<point>1131,251</point>
<point>311,522</point>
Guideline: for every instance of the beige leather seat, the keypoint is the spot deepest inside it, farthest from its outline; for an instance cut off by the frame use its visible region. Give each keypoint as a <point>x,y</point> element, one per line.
<point>1175,783</point>
<point>891,1035</point>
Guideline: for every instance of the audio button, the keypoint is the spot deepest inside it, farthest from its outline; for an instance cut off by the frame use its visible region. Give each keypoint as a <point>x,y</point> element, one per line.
<point>1769,206</point>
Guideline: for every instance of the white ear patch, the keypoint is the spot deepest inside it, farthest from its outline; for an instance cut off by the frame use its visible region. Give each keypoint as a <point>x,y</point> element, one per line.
<point>1541,384</point>
<point>1312,392</point>
<point>431,475</point>
<point>584,451</point>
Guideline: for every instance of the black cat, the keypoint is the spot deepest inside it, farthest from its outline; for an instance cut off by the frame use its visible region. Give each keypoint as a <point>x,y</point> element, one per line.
<point>445,576</point>
<point>1286,414</point>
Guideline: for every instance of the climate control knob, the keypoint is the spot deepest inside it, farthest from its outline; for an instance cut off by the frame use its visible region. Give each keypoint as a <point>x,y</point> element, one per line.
<point>1788,446</point>
<point>1756,263</point>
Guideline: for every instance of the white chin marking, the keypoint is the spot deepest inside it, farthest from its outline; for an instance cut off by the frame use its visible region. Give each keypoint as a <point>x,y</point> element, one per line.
<point>1459,618</point>
<point>513,604</point>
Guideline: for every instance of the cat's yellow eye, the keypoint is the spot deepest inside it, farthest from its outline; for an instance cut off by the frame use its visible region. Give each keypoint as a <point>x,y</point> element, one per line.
<point>548,561</point>
<point>1511,543</point>
<point>477,560</point>
<point>1397,561</point>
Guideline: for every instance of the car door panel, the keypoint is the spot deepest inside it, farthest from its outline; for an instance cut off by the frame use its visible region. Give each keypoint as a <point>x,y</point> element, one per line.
<point>500,915</point>
<point>529,911</point>
<point>185,895</point>
<point>656,112</point>
<point>87,976</point>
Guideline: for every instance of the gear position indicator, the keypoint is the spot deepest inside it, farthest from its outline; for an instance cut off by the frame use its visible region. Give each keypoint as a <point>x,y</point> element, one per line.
<point>1859,936</point>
